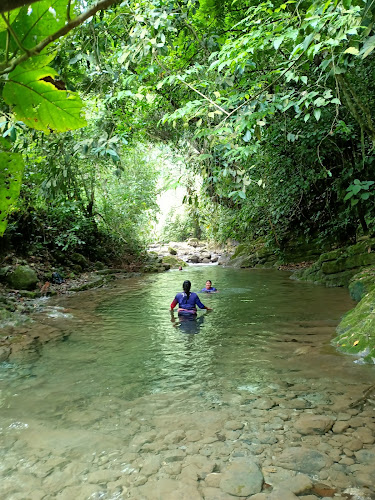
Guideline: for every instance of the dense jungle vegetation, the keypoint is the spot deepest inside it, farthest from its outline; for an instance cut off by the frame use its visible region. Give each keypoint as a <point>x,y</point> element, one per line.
<point>270,103</point>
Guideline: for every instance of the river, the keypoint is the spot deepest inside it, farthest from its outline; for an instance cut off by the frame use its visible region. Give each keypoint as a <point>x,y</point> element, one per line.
<point>137,404</point>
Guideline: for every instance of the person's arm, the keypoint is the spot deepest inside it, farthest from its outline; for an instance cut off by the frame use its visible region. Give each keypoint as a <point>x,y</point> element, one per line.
<point>174,304</point>
<point>200,305</point>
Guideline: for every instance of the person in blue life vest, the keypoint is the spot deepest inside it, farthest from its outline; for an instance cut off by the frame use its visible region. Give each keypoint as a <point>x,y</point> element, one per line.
<point>187,301</point>
<point>209,288</point>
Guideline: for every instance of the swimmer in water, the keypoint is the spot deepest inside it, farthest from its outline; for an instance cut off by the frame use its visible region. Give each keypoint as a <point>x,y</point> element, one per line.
<point>209,287</point>
<point>187,301</point>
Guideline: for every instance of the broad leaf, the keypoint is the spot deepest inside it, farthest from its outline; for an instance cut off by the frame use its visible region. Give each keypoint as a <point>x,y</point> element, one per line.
<point>10,16</point>
<point>39,20</point>
<point>39,103</point>
<point>11,170</point>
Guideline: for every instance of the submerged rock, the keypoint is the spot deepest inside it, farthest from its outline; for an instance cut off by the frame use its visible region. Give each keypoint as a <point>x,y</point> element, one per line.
<point>242,478</point>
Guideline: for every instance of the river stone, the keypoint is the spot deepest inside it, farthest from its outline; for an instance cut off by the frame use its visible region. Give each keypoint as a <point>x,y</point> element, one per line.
<point>296,404</point>
<point>210,493</point>
<point>281,494</point>
<point>263,404</point>
<point>314,424</point>
<point>193,435</point>
<point>4,353</point>
<point>242,478</point>
<point>365,456</point>
<point>365,435</point>
<point>299,484</point>
<point>167,489</point>
<point>151,465</point>
<point>22,278</point>
<point>233,425</point>
<point>339,427</point>
<point>303,460</point>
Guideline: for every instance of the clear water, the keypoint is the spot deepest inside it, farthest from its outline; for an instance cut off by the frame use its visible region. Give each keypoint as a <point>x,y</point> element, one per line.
<point>128,366</point>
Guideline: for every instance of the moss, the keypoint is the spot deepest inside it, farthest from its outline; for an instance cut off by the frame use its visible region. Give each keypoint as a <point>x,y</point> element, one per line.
<point>361,247</point>
<point>333,255</point>
<point>356,332</point>
<point>242,249</point>
<point>362,283</point>
<point>172,251</point>
<point>174,262</point>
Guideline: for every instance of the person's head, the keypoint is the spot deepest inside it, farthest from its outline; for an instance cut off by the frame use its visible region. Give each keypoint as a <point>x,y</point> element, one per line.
<point>186,285</point>
<point>180,268</point>
<point>208,284</point>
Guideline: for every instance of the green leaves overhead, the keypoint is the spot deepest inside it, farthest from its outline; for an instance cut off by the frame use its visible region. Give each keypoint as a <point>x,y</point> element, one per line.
<point>37,100</point>
<point>39,20</point>
<point>11,171</point>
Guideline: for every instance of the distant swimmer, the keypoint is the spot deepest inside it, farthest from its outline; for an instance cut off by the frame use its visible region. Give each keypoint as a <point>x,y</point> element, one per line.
<point>209,287</point>
<point>187,301</point>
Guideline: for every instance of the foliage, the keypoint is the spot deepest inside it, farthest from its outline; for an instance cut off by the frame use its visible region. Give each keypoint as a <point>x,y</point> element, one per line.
<point>271,103</point>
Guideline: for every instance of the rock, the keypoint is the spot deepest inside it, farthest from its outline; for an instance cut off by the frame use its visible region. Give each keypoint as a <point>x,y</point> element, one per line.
<point>365,435</point>
<point>242,478</point>
<point>263,404</point>
<point>193,435</point>
<point>303,460</point>
<point>5,353</point>
<point>366,456</point>
<point>314,424</point>
<point>22,278</point>
<point>194,259</point>
<point>151,465</point>
<point>172,251</point>
<point>299,484</point>
<point>233,425</point>
<point>174,437</point>
<point>79,259</point>
<point>339,427</point>
<point>323,490</point>
<point>281,494</point>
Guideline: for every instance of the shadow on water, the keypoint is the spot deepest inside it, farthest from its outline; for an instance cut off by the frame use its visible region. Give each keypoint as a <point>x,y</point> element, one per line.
<point>187,324</point>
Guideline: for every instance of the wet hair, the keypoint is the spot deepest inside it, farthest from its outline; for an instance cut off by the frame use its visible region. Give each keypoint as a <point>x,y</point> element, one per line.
<point>186,285</point>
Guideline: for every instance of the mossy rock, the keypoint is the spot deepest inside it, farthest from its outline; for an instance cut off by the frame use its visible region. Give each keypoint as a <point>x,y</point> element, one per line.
<point>172,251</point>
<point>22,278</point>
<point>243,249</point>
<point>362,283</point>
<point>356,331</point>
<point>79,259</point>
<point>87,286</point>
<point>361,247</point>
<point>174,262</point>
<point>333,255</point>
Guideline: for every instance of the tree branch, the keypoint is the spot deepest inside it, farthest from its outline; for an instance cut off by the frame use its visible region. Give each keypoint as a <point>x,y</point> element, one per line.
<point>7,5</point>
<point>101,5</point>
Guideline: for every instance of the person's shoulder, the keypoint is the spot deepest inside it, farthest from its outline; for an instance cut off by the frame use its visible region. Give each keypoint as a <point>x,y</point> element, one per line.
<point>203,290</point>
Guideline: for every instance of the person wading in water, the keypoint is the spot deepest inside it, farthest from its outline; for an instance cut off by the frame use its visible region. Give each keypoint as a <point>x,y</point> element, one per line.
<point>187,301</point>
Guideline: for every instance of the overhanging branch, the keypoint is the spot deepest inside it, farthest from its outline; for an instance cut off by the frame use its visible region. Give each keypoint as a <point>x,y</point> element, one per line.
<point>101,5</point>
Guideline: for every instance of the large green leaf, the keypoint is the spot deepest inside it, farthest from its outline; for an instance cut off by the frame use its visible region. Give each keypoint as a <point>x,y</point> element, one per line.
<point>11,170</point>
<point>10,16</point>
<point>35,99</point>
<point>40,19</point>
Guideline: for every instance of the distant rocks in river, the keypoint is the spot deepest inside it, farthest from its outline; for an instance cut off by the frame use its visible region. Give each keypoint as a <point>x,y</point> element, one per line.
<point>192,251</point>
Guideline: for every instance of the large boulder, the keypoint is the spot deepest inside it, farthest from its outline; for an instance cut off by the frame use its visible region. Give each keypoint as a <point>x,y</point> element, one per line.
<point>22,278</point>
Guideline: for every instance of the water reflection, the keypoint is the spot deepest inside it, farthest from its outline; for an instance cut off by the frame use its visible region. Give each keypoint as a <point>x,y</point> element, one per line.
<point>187,324</point>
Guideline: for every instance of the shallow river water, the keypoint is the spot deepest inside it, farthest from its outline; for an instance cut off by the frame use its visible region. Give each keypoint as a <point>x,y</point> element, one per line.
<point>137,404</point>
